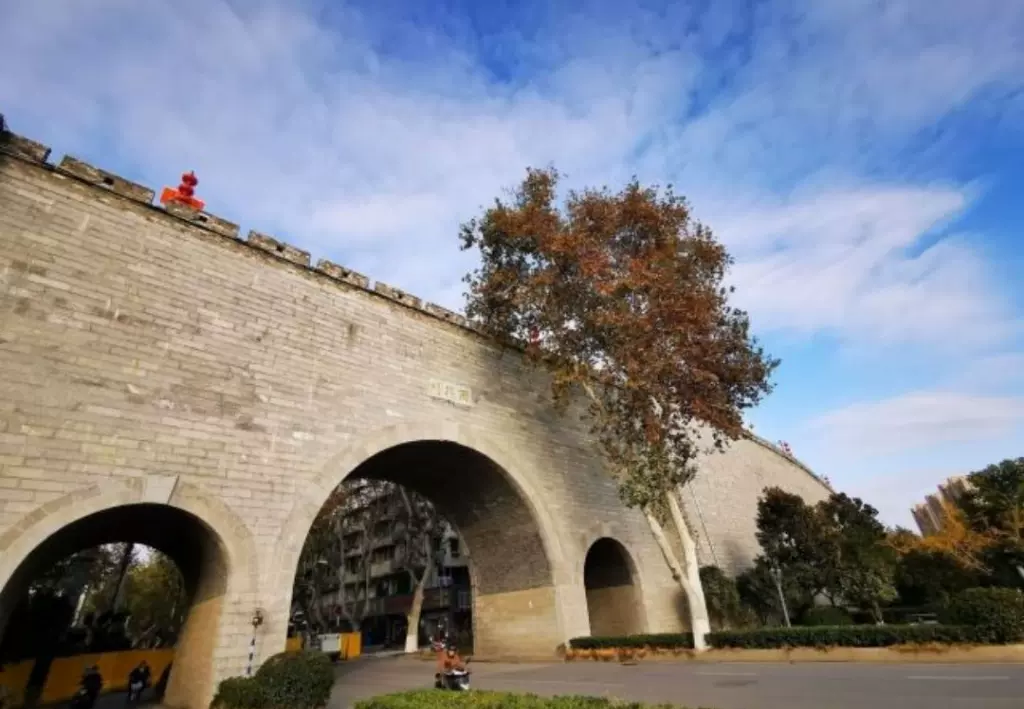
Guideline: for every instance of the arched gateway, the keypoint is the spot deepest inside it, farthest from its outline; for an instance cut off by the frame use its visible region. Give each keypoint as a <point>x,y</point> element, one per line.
<point>521,577</point>
<point>165,382</point>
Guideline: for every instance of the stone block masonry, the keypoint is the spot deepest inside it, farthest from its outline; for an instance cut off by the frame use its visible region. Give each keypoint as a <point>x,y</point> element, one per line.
<point>150,359</point>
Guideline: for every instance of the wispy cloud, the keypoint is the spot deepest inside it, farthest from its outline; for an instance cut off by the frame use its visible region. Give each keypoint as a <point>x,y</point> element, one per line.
<point>855,263</point>
<point>918,420</point>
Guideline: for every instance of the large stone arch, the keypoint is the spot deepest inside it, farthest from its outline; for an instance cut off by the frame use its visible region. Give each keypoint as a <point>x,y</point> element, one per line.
<point>222,581</point>
<point>519,474</point>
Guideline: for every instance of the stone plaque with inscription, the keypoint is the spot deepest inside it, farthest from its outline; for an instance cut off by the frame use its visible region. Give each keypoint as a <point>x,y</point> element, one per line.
<point>455,393</point>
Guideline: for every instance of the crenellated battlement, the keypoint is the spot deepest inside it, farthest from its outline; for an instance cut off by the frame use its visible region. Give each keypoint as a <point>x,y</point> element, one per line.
<point>28,150</point>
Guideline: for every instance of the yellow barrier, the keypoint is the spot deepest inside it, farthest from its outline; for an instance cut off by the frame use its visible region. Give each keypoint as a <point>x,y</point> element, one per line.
<point>348,645</point>
<point>14,678</point>
<point>66,672</point>
<point>351,645</point>
<point>293,644</point>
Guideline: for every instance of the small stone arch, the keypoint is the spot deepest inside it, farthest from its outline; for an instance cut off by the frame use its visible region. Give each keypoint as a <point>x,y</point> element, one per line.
<point>613,590</point>
<point>222,579</point>
<point>517,474</point>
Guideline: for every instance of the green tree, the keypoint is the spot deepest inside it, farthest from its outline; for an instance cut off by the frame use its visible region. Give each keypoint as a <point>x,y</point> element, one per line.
<point>857,563</point>
<point>92,570</point>
<point>994,506</point>
<point>621,297</point>
<point>836,548</point>
<point>790,533</point>
<point>995,498</point>
<point>757,591</point>
<point>156,601</point>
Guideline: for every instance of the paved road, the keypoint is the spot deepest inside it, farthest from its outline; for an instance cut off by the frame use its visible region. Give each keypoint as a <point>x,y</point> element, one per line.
<point>719,686</point>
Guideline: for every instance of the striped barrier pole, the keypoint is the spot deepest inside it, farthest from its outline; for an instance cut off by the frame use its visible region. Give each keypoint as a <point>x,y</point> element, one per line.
<point>252,653</point>
<point>257,621</point>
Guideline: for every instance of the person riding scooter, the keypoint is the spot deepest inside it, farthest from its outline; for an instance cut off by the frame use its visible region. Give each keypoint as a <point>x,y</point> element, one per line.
<point>439,644</point>
<point>453,674</point>
<point>89,688</point>
<point>138,681</point>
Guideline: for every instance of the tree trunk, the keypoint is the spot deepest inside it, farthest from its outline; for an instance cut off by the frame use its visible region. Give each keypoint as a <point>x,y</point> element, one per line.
<point>122,574</point>
<point>684,575</point>
<point>412,618</point>
<point>877,612</point>
<point>700,623</point>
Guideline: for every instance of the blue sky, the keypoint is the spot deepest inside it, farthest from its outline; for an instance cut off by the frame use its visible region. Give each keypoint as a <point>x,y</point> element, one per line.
<point>863,159</point>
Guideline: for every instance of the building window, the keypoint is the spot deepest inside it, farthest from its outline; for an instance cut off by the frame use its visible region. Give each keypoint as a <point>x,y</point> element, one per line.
<point>453,547</point>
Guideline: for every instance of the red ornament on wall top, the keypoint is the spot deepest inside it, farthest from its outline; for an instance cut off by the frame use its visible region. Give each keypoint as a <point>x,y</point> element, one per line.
<point>184,193</point>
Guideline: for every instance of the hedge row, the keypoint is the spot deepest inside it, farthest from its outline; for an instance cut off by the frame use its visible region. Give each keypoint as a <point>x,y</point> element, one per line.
<point>427,699</point>
<point>848,636</point>
<point>300,680</point>
<point>818,636</point>
<point>659,640</point>
<point>977,616</point>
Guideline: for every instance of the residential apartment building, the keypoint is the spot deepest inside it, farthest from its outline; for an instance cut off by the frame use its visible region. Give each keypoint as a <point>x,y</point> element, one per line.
<point>929,514</point>
<point>376,585</point>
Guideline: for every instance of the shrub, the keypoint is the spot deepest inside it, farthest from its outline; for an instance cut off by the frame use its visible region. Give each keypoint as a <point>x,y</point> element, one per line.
<point>657,640</point>
<point>241,693</point>
<point>997,614</point>
<point>725,608</point>
<point>297,680</point>
<point>846,636</point>
<point>290,680</point>
<point>825,616</point>
<point>495,700</point>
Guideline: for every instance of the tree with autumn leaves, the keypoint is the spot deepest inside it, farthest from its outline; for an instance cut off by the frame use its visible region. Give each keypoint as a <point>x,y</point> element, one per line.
<point>981,533</point>
<point>621,296</point>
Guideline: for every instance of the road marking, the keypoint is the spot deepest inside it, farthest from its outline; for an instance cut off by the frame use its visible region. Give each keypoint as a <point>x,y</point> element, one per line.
<point>577,683</point>
<point>936,678</point>
<point>728,674</point>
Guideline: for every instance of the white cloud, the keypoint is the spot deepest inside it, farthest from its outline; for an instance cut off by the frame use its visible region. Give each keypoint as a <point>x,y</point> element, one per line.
<point>372,158</point>
<point>915,421</point>
<point>851,263</point>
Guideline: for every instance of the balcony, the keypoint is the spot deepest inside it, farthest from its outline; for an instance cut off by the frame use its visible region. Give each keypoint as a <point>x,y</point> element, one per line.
<point>433,599</point>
